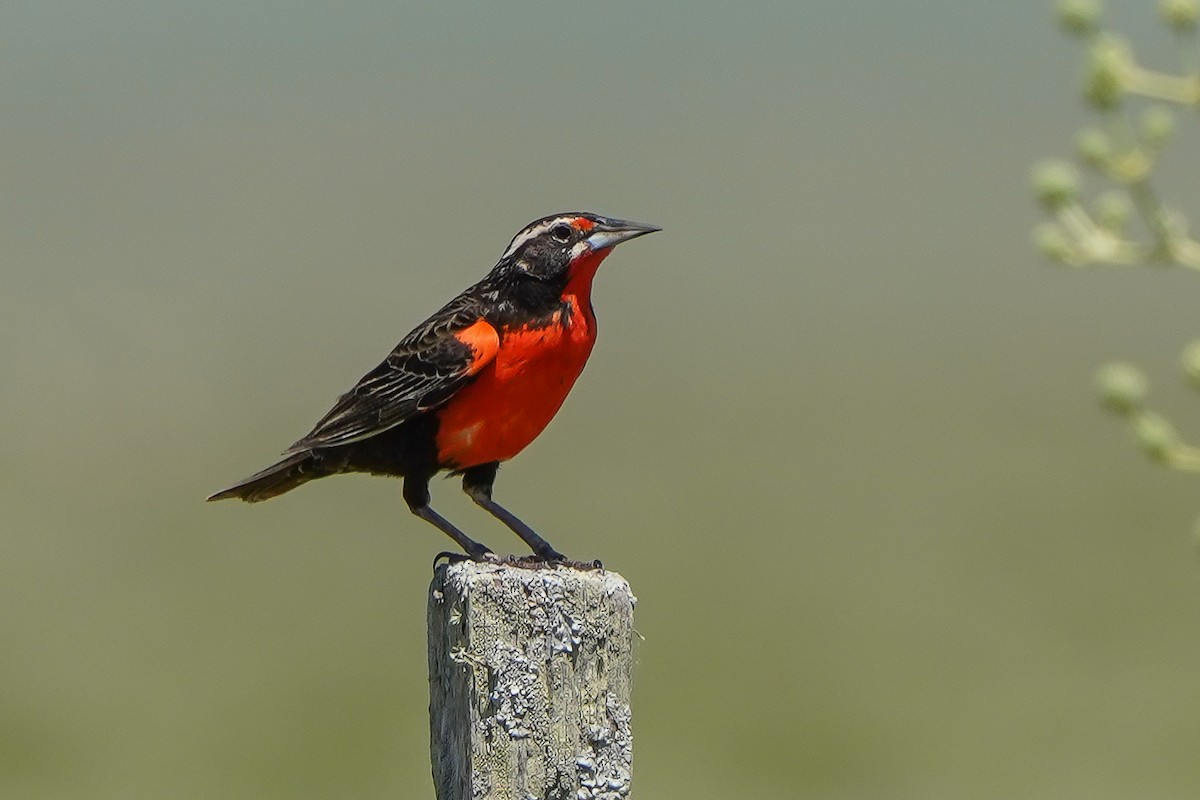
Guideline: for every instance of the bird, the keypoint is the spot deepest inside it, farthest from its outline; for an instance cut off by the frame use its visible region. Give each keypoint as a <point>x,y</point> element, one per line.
<point>472,385</point>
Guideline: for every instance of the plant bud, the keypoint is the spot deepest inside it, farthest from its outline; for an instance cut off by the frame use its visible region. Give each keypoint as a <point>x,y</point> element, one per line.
<point>1053,243</point>
<point>1158,124</point>
<point>1156,436</point>
<point>1078,17</point>
<point>1122,388</point>
<point>1094,147</point>
<point>1056,183</point>
<point>1191,363</point>
<point>1104,82</point>
<point>1180,15</point>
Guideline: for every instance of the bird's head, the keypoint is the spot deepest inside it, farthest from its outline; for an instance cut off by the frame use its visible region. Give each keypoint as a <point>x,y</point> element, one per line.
<point>566,247</point>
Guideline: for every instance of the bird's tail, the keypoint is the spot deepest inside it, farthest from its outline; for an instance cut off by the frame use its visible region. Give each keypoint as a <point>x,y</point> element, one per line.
<point>275,479</point>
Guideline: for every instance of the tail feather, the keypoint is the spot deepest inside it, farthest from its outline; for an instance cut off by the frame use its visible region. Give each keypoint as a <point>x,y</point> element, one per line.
<point>275,479</point>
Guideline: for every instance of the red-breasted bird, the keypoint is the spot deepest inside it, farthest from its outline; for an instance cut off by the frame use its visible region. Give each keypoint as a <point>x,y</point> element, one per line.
<point>472,385</point>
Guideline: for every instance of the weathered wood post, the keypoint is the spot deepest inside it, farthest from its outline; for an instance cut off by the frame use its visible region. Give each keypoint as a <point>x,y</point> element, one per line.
<point>529,681</point>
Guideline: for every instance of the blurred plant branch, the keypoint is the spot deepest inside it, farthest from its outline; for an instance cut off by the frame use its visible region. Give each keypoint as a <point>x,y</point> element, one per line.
<point>1135,122</point>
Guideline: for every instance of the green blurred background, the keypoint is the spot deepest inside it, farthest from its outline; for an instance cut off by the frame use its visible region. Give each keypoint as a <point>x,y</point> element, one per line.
<point>839,431</point>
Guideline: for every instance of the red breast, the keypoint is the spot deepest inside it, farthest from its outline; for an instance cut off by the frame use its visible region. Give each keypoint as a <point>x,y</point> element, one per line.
<point>515,396</point>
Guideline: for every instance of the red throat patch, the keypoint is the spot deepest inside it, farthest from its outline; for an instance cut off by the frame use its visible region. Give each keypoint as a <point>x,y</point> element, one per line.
<point>581,272</point>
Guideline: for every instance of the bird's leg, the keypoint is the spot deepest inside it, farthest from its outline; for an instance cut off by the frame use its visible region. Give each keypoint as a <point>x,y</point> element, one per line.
<point>477,483</point>
<point>416,494</point>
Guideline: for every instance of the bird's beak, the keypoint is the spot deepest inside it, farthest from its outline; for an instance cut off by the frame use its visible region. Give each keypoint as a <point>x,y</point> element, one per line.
<point>611,232</point>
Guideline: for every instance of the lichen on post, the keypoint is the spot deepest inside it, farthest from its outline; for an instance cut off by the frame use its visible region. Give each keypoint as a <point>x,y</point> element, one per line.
<point>529,682</point>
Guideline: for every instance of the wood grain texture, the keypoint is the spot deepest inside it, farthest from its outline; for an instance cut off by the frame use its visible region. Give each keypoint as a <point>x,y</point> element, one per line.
<point>529,682</point>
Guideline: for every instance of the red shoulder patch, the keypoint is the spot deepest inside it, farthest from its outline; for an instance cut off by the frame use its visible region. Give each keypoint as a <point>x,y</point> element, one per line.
<point>484,343</point>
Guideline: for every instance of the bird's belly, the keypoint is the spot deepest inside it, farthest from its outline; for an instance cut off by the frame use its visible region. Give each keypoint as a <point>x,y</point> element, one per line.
<point>513,399</point>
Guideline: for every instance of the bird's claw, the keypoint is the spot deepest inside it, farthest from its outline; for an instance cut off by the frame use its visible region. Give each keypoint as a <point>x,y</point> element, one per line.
<point>531,561</point>
<point>484,557</point>
<point>550,561</point>
<point>451,558</point>
<point>583,566</point>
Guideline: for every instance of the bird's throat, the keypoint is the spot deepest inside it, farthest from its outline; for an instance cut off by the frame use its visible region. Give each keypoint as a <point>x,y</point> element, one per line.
<point>580,274</point>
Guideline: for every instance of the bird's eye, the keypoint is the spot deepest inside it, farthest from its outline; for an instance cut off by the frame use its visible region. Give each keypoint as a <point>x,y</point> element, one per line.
<point>561,233</point>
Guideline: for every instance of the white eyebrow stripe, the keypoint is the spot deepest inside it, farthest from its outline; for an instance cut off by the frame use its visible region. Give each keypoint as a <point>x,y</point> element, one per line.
<point>532,232</point>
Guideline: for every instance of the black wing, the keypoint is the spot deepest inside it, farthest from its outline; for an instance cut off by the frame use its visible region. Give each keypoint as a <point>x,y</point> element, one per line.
<point>428,366</point>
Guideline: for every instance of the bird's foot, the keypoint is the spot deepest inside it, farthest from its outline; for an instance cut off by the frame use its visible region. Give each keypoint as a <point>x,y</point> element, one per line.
<point>550,561</point>
<point>481,557</point>
<point>583,566</point>
<point>554,558</point>
<point>531,561</point>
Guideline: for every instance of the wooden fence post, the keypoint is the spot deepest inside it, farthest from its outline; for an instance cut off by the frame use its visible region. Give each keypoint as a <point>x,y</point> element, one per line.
<point>529,681</point>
